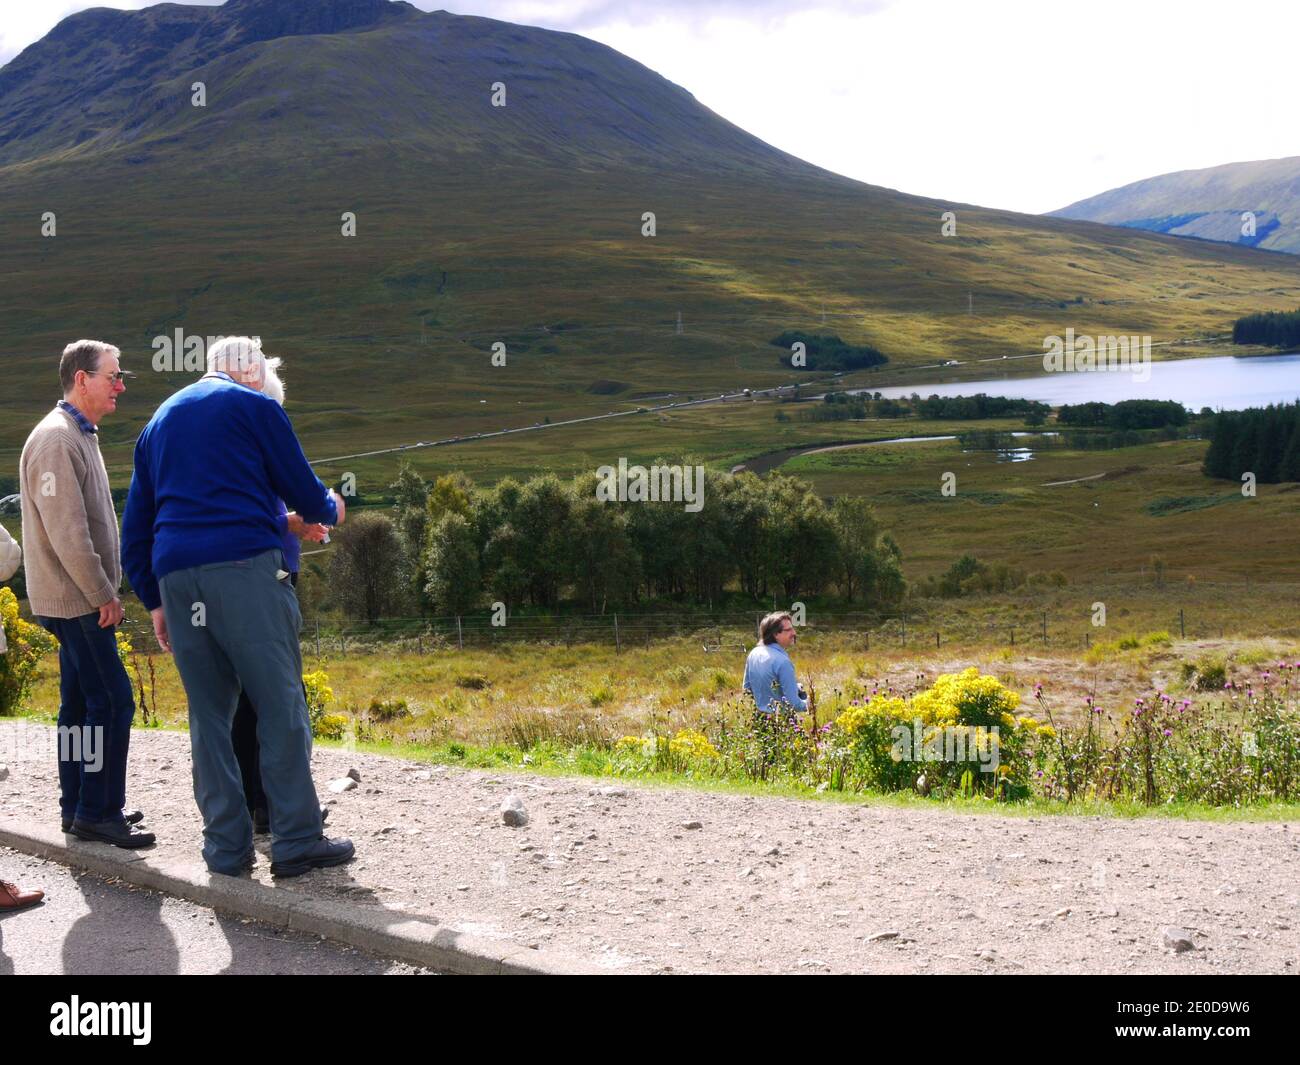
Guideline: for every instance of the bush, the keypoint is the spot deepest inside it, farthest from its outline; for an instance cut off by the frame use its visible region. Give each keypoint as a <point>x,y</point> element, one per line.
<point>877,741</point>
<point>19,665</point>
<point>1206,674</point>
<point>331,726</point>
<point>388,710</point>
<point>319,696</point>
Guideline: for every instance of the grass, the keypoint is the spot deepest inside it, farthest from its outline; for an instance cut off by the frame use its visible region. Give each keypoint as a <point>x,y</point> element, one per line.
<point>564,707</point>
<point>1013,512</point>
<point>545,760</point>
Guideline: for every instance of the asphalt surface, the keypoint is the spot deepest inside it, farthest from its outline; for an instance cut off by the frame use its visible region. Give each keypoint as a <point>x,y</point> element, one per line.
<point>87,925</point>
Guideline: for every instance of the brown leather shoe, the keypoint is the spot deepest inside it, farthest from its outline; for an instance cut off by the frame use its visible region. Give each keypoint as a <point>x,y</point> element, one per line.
<point>13,898</point>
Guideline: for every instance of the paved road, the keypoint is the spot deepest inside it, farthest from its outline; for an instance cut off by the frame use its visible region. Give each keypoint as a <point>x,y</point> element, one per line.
<point>91,926</point>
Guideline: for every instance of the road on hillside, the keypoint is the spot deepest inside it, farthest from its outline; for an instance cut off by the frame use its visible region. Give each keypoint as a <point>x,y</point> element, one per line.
<point>722,397</point>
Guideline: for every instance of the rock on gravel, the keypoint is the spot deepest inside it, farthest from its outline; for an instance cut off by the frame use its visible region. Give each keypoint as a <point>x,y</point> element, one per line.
<point>513,812</point>
<point>4,772</point>
<point>1177,940</point>
<point>685,824</point>
<point>355,774</point>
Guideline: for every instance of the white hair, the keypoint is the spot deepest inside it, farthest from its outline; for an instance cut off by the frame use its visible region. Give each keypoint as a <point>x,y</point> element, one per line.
<point>271,383</point>
<point>241,358</point>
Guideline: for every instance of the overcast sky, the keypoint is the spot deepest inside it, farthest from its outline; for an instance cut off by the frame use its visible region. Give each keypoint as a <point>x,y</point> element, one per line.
<point>1022,104</point>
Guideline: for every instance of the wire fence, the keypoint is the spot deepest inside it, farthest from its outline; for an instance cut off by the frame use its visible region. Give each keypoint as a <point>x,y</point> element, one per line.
<point>737,632</point>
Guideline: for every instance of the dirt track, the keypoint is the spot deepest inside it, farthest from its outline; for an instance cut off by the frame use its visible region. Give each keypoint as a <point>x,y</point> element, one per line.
<point>764,885</point>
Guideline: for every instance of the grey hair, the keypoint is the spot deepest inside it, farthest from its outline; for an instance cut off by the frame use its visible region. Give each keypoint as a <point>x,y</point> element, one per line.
<point>238,356</point>
<point>82,355</point>
<point>271,383</point>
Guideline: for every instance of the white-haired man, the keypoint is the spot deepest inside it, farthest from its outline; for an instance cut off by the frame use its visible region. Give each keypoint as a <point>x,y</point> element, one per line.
<point>201,544</point>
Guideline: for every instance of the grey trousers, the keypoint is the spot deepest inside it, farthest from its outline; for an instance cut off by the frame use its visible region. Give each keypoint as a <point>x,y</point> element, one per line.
<point>232,625</point>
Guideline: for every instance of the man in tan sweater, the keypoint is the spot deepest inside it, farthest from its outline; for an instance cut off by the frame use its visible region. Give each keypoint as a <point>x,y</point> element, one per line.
<point>70,540</point>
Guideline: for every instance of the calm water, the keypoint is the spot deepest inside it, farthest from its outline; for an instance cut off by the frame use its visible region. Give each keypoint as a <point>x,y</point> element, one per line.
<point>1222,384</point>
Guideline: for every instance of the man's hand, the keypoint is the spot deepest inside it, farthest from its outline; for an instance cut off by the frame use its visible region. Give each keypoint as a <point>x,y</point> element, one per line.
<point>314,533</point>
<point>111,613</point>
<point>342,507</point>
<point>160,629</point>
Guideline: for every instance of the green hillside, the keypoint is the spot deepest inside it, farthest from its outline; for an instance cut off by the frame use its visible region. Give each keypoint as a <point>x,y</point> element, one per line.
<point>476,224</point>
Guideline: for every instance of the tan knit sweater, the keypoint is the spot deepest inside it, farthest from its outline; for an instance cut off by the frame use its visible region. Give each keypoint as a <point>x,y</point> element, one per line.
<point>70,533</point>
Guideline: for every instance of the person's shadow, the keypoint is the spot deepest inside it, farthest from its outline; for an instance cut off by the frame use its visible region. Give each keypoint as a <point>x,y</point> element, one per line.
<point>6,962</point>
<point>122,935</point>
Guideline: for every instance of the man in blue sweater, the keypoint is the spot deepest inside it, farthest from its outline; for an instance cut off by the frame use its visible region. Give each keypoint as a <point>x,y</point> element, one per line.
<point>769,673</point>
<point>201,545</point>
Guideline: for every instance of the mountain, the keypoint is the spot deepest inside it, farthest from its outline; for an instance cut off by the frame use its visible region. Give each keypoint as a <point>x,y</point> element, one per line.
<point>1211,204</point>
<point>524,224</point>
<point>322,76</point>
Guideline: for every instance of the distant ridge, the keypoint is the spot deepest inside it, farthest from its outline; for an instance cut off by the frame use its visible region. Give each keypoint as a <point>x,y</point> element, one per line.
<point>1253,204</point>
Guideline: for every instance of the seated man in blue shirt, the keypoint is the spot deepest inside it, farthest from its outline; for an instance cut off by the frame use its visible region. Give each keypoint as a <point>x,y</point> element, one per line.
<point>769,673</point>
<point>201,544</point>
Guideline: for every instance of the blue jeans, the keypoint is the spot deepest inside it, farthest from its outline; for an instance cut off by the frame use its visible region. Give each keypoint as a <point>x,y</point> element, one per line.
<point>248,639</point>
<point>96,706</point>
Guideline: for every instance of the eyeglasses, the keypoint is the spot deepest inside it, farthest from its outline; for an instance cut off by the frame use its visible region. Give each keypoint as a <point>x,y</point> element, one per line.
<point>117,378</point>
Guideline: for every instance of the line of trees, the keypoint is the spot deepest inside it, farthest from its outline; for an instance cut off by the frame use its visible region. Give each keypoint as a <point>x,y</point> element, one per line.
<point>828,352</point>
<point>1264,441</point>
<point>450,547</point>
<point>1126,414</point>
<point>1280,329</point>
<point>846,406</point>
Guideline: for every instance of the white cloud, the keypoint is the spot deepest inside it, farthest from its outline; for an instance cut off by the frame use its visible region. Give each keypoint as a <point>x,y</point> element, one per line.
<point>1021,104</point>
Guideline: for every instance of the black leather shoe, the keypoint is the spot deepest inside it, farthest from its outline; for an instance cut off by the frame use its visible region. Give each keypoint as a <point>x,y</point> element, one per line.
<point>324,852</point>
<point>131,817</point>
<point>118,833</point>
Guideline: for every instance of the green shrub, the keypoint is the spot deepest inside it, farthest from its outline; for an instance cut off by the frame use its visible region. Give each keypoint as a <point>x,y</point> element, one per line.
<point>319,696</point>
<point>19,665</point>
<point>388,710</point>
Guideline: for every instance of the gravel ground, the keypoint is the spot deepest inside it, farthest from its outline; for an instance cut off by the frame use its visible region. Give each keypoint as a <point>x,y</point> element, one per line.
<point>614,872</point>
<point>89,925</point>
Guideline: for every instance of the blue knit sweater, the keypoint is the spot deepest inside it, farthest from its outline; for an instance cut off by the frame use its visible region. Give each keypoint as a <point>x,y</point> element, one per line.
<point>210,469</point>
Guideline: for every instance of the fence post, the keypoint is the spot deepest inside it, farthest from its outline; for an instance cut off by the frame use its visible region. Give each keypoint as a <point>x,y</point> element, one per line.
<point>1182,629</point>
<point>460,636</point>
<point>904,619</point>
<point>868,639</point>
<point>936,639</point>
<point>618,644</point>
<point>318,637</point>
<point>419,643</point>
<point>1013,637</point>
<point>1044,628</point>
